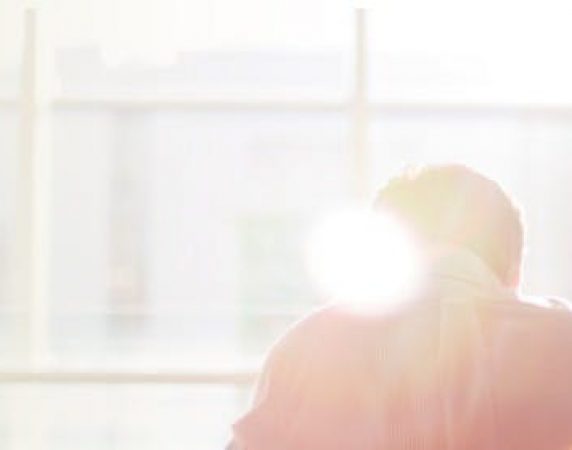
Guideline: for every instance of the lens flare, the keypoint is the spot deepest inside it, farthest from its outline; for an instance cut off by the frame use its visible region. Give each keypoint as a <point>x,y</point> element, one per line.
<point>364,258</point>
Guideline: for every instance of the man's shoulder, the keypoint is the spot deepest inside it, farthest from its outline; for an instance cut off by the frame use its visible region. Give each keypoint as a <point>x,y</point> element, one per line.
<point>328,331</point>
<point>335,319</point>
<point>325,320</point>
<point>550,308</point>
<point>551,303</point>
<point>547,319</point>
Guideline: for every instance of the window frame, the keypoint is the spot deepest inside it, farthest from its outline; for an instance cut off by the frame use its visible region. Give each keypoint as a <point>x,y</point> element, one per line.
<point>35,104</point>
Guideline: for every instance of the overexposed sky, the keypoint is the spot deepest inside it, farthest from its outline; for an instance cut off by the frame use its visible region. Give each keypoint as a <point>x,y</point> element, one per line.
<point>194,24</point>
<point>459,25</point>
<point>521,41</point>
<point>522,27</point>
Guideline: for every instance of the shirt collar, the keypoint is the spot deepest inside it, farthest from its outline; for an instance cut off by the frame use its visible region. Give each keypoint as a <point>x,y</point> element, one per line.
<point>456,274</point>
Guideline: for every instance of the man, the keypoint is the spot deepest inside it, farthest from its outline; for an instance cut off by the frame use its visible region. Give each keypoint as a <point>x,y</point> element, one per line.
<point>467,365</point>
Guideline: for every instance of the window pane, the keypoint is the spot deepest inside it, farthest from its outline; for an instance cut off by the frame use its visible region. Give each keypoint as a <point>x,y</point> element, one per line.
<point>214,48</point>
<point>126,417</point>
<point>178,235</point>
<point>11,44</point>
<point>486,51</point>
<point>11,183</point>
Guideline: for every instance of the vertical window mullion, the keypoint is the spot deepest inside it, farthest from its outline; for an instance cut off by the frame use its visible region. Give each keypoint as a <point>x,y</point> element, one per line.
<point>33,241</point>
<point>360,106</point>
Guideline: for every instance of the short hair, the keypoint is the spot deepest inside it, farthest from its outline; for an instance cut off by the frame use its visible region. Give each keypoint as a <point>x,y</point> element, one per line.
<point>454,205</point>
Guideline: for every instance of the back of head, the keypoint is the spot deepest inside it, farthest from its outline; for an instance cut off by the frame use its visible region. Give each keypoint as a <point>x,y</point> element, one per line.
<point>454,205</point>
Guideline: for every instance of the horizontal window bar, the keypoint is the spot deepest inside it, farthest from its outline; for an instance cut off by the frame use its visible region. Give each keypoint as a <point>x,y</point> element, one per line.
<point>300,104</point>
<point>142,102</point>
<point>128,377</point>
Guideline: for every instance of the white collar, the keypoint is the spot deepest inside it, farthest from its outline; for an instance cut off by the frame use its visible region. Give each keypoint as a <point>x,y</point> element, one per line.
<point>456,274</point>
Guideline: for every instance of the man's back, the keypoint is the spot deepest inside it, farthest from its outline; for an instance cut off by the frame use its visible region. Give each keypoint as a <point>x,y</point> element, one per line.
<point>443,374</point>
<point>466,365</point>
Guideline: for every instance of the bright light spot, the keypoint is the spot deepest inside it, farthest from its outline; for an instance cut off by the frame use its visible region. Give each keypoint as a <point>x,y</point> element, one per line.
<point>364,258</point>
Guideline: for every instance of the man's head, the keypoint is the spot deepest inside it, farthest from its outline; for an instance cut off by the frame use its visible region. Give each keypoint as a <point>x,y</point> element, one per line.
<point>454,205</point>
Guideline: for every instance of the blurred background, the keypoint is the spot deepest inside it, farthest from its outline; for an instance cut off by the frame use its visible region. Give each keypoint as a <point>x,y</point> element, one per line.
<point>162,160</point>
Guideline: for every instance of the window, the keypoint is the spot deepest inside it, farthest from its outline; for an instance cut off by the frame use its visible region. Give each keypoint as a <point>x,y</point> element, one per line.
<point>151,248</point>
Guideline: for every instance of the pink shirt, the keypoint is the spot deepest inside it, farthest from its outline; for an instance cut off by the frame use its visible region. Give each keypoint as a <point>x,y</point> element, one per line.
<point>466,372</point>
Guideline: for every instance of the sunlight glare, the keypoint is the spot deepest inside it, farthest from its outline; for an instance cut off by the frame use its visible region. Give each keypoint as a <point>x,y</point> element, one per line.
<point>363,258</point>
